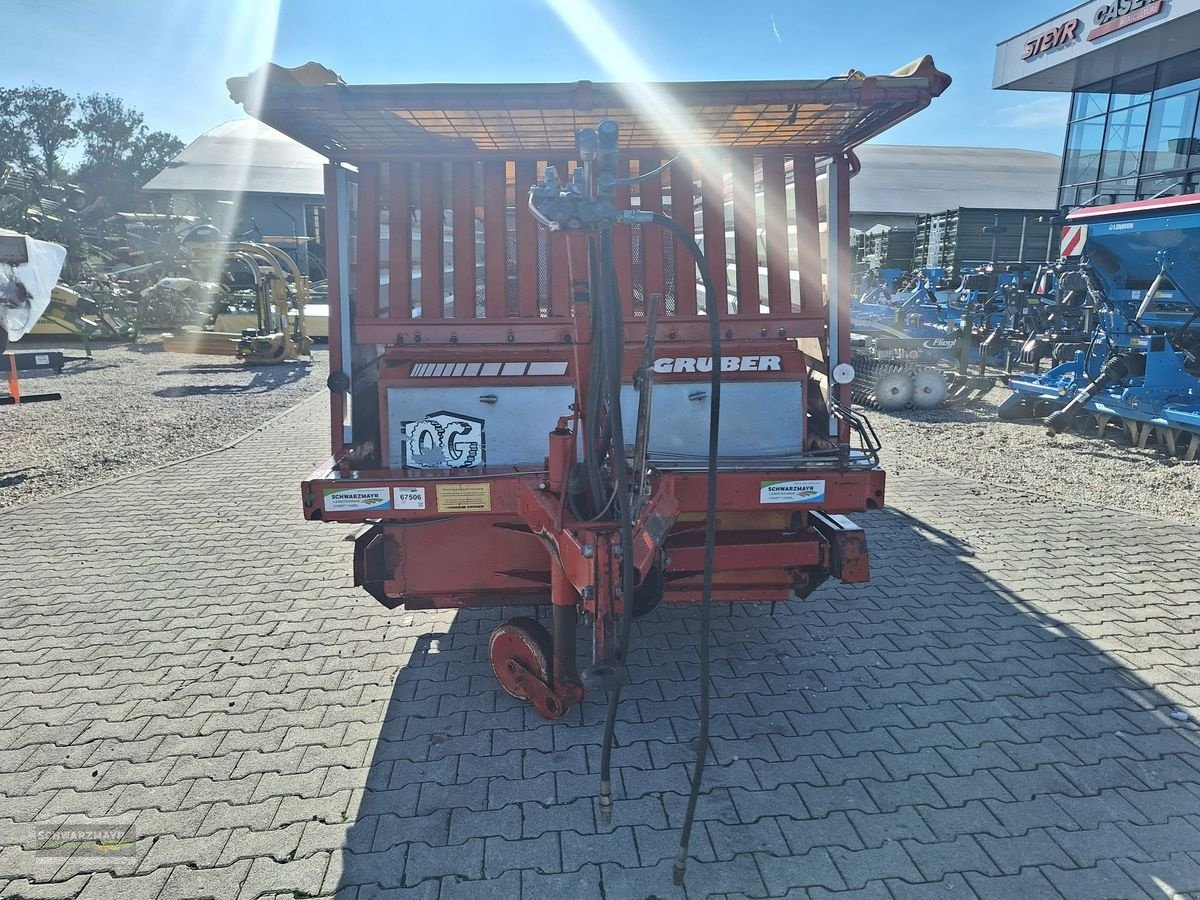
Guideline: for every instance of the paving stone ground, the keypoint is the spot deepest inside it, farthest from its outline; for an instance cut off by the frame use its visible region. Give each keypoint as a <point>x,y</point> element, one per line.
<point>184,662</point>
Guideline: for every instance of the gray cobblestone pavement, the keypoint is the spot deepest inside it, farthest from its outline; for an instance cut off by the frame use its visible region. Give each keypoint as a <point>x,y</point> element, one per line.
<point>183,662</point>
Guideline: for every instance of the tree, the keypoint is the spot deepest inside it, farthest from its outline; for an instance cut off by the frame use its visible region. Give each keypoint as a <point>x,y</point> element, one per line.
<point>119,153</point>
<point>152,150</point>
<point>46,113</point>
<point>15,146</point>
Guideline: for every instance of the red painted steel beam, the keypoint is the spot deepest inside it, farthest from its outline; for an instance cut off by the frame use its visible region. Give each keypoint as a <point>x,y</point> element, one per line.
<point>527,243</point>
<point>779,282</point>
<point>495,238</point>
<point>463,179</point>
<point>808,236</point>
<point>433,263</point>
<point>745,235</point>
<point>366,300</point>
<point>712,215</point>
<point>399,241</point>
<point>683,211</point>
<point>845,492</point>
<point>318,104</point>
<point>557,331</point>
<point>744,550</point>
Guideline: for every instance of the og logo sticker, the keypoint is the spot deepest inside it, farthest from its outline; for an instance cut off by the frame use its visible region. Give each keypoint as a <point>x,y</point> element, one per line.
<point>444,440</point>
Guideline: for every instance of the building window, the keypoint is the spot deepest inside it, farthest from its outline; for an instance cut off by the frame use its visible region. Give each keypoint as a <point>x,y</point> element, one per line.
<point>1167,186</point>
<point>1135,136</point>
<point>1083,151</point>
<point>1121,190</point>
<point>1178,75</point>
<point>1090,101</point>
<point>1169,139</point>
<point>1073,196</point>
<point>1123,139</point>
<point>1132,89</point>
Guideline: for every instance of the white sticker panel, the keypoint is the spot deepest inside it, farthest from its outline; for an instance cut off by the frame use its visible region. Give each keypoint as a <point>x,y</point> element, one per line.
<point>408,497</point>
<point>357,499</point>
<point>806,491</point>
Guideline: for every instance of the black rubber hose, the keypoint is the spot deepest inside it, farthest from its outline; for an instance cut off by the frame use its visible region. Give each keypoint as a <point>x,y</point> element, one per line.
<point>593,452</point>
<point>712,303</point>
<point>614,336</point>
<point>625,505</point>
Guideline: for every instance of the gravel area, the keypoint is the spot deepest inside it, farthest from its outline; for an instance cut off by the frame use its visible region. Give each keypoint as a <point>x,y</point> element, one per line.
<point>973,442</point>
<point>134,406</point>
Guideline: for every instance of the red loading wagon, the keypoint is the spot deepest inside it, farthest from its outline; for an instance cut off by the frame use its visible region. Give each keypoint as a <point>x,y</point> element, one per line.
<point>524,367</point>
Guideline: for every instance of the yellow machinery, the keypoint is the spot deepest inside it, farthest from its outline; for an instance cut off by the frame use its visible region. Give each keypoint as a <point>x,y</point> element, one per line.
<point>281,334</point>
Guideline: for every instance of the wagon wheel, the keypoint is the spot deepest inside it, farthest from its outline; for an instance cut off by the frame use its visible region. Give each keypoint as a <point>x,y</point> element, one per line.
<point>525,641</point>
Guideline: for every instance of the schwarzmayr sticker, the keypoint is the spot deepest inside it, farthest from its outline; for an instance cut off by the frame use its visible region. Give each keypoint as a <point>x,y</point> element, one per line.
<point>357,499</point>
<point>812,491</point>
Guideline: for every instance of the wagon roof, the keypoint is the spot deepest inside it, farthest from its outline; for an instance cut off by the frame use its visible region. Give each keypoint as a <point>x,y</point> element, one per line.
<point>378,121</point>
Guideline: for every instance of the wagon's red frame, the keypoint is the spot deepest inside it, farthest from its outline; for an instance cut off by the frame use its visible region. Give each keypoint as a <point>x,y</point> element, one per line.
<point>504,535</point>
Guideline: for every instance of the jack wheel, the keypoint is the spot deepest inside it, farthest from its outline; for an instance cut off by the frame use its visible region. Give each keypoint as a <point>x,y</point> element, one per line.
<point>520,642</point>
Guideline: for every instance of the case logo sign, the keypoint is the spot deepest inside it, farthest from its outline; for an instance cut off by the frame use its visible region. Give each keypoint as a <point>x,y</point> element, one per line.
<point>356,499</point>
<point>1055,37</point>
<point>444,440</point>
<point>812,491</point>
<point>1120,14</point>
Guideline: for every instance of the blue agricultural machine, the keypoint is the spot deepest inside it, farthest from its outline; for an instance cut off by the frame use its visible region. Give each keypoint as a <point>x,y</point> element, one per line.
<point>920,345</point>
<point>1130,272</point>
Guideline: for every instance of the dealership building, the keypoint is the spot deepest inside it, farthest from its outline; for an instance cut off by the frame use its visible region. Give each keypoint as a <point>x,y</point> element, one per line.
<point>1132,68</point>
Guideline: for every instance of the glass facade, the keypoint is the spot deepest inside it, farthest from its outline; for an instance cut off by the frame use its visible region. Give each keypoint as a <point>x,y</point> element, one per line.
<point>1135,136</point>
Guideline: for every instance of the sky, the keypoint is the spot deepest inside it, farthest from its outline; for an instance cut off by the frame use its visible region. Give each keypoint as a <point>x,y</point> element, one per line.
<point>170,58</point>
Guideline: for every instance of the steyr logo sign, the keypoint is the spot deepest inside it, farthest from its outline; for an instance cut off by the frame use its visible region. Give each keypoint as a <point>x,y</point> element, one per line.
<point>1060,34</point>
<point>444,440</point>
<point>1120,14</point>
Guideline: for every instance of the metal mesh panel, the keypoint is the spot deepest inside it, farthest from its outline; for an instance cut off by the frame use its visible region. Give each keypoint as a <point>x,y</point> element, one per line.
<point>639,272</point>
<point>669,307</point>
<point>543,278</point>
<point>480,280</point>
<point>511,300</point>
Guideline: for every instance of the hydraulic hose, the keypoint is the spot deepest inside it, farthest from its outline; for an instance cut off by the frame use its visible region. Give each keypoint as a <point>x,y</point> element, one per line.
<point>712,304</point>
<point>614,336</point>
<point>646,176</point>
<point>615,348</point>
<point>594,452</point>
